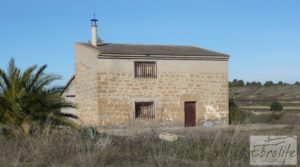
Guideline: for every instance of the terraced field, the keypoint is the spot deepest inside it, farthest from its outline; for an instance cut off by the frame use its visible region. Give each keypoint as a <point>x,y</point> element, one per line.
<point>258,99</point>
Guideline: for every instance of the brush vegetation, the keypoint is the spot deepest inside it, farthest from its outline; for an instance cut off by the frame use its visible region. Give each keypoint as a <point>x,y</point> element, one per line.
<point>27,98</point>
<point>194,147</point>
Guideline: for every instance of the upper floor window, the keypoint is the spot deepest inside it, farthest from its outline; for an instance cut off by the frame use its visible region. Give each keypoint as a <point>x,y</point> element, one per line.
<point>145,69</point>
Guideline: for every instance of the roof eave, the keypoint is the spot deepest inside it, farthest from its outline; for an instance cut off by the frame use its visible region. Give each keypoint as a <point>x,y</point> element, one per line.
<point>165,57</point>
<point>67,85</point>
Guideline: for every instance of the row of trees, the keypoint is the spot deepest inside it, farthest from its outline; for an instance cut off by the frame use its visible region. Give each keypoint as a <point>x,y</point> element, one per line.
<point>241,83</point>
<point>28,99</point>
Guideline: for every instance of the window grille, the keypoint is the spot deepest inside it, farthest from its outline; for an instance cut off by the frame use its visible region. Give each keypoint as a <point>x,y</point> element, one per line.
<point>145,69</point>
<point>144,110</point>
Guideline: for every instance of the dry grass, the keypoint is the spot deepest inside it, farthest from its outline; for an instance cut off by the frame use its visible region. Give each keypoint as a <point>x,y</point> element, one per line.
<point>68,147</point>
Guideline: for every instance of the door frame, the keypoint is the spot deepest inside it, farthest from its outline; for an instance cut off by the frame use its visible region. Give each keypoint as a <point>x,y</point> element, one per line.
<point>193,124</point>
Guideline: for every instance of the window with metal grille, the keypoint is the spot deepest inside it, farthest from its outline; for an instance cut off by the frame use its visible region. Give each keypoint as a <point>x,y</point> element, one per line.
<point>144,110</point>
<point>145,69</point>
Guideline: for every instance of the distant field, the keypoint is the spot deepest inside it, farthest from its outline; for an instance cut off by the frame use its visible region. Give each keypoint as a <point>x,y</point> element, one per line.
<point>284,92</point>
<point>253,98</point>
<point>254,107</point>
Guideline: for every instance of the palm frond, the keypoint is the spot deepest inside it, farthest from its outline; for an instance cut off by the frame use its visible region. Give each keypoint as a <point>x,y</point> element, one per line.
<point>4,82</point>
<point>29,97</point>
<point>27,74</point>
<point>37,75</point>
<point>45,80</point>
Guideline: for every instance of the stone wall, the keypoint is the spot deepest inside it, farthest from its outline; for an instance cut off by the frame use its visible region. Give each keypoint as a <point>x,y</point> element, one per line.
<point>86,84</point>
<point>178,81</point>
<point>69,95</point>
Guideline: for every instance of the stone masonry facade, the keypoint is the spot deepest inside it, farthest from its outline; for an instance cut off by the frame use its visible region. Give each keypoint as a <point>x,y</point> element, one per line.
<point>107,90</point>
<point>119,91</point>
<point>86,87</point>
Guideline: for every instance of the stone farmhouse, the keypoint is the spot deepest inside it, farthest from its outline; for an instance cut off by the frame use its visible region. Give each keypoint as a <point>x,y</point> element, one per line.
<point>129,85</point>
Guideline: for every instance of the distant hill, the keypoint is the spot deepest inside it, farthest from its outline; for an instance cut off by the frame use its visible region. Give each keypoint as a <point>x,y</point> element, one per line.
<point>278,91</point>
<point>259,98</point>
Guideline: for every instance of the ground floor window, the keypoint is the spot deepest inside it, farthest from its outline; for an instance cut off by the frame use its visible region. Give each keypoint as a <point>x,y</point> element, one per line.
<point>144,110</point>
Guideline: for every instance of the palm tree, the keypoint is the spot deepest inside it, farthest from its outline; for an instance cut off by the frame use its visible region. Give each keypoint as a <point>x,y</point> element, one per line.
<point>27,98</point>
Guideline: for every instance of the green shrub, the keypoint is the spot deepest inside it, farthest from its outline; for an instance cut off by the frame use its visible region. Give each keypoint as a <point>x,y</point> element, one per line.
<point>236,83</point>
<point>268,83</point>
<point>275,117</point>
<point>280,83</point>
<point>236,115</point>
<point>276,106</point>
<point>253,83</point>
<point>90,132</point>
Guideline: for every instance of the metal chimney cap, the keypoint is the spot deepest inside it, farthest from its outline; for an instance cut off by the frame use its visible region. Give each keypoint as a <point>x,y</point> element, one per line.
<point>94,19</point>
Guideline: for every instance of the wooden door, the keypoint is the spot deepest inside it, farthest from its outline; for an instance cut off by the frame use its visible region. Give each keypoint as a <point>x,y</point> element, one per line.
<point>189,114</point>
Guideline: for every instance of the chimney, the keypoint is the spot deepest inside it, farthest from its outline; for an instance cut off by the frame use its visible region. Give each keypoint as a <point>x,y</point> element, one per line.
<point>94,31</point>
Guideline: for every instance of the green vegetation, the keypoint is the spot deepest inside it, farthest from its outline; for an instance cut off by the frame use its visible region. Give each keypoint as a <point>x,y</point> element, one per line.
<point>241,83</point>
<point>268,83</point>
<point>276,106</point>
<point>236,83</point>
<point>236,116</point>
<point>253,83</point>
<point>28,100</point>
<point>280,83</point>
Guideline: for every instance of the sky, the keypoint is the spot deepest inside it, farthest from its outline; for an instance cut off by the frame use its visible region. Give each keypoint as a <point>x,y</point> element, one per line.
<point>262,37</point>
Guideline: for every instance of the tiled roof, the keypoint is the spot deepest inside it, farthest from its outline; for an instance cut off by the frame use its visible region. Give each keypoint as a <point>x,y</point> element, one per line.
<point>136,49</point>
